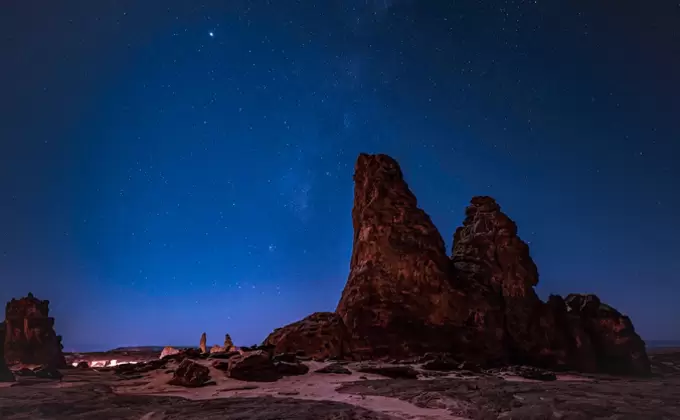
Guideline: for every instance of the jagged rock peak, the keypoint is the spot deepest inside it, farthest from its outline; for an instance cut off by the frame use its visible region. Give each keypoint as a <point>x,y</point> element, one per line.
<point>487,249</point>
<point>399,281</point>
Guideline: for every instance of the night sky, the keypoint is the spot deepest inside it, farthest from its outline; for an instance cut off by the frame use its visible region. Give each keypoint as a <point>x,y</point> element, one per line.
<point>174,167</point>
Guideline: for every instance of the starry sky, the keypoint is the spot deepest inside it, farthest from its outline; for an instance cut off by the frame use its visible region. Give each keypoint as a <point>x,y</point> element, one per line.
<point>174,167</point>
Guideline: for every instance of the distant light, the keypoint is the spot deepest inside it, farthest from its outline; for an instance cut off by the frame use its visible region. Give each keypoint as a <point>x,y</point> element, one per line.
<point>211,34</point>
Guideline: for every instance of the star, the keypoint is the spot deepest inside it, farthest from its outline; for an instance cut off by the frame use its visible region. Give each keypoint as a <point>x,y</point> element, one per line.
<point>212,34</point>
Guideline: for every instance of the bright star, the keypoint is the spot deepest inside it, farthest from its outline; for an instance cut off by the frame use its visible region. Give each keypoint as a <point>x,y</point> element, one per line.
<point>211,34</point>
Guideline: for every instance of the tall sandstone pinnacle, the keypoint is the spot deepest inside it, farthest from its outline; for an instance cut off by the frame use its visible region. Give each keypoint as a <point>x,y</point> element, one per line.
<point>30,337</point>
<point>398,299</point>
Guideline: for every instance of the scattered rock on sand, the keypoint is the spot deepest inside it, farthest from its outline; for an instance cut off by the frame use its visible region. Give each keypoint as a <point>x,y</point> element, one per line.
<point>190,374</point>
<point>291,369</point>
<point>334,368</point>
<point>393,372</point>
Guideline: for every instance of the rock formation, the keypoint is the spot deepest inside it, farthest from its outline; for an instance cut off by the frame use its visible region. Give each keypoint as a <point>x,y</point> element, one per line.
<point>493,264</point>
<point>202,344</point>
<point>29,335</point>
<point>618,348</point>
<point>398,300</point>
<point>405,296</point>
<point>228,344</point>
<point>322,335</point>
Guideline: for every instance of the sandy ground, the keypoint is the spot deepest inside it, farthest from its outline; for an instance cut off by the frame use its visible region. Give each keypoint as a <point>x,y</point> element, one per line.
<point>101,395</point>
<point>313,386</point>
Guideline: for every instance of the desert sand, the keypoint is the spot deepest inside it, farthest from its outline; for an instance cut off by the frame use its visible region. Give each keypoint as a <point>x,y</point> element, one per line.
<point>104,394</point>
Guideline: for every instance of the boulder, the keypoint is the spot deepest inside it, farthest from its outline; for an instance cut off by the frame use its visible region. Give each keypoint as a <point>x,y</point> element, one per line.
<point>618,348</point>
<point>321,335</point>
<point>168,351</point>
<point>29,334</point>
<point>190,374</point>
<point>254,366</point>
<point>398,300</point>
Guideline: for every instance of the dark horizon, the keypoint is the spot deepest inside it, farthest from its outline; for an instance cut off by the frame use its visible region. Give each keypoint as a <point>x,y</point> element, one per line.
<point>173,168</point>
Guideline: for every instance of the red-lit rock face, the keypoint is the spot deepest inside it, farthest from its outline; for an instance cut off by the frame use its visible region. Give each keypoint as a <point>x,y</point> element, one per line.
<point>30,337</point>
<point>321,335</point>
<point>618,348</point>
<point>398,299</point>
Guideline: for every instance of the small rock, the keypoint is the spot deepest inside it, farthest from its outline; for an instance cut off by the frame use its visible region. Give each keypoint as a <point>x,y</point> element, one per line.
<point>291,369</point>
<point>289,393</point>
<point>334,368</point>
<point>48,372</point>
<point>393,372</point>
<point>285,357</point>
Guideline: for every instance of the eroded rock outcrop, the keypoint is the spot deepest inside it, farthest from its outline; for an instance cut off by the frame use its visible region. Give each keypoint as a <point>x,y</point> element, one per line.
<point>405,297</point>
<point>618,348</point>
<point>493,264</point>
<point>321,335</point>
<point>30,337</point>
<point>398,299</point>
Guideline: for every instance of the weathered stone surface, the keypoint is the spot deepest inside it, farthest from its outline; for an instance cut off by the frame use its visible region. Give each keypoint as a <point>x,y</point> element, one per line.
<point>618,348</point>
<point>493,265</point>
<point>254,366</point>
<point>321,335</point>
<point>398,299</point>
<point>576,341</point>
<point>29,336</point>
<point>190,374</point>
